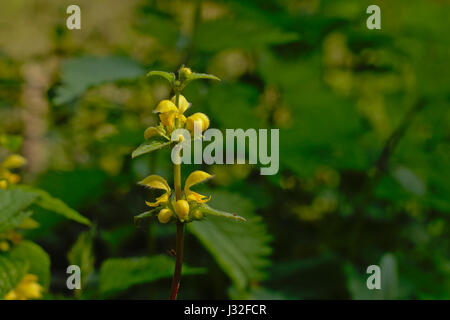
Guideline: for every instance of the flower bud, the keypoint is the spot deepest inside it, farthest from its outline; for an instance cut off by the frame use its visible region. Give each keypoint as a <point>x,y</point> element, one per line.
<point>164,215</point>
<point>182,209</point>
<point>197,215</point>
<point>201,117</point>
<point>184,73</point>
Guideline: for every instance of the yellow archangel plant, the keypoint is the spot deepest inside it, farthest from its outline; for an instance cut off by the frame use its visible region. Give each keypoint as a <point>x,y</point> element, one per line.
<point>28,287</point>
<point>184,205</point>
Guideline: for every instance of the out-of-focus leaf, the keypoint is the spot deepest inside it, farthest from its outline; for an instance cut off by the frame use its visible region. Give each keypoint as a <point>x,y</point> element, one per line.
<point>82,255</point>
<point>121,273</point>
<point>79,74</point>
<point>241,249</point>
<point>13,202</point>
<point>409,181</point>
<point>46,201</point>
<point>35,257</point>
<point>389,277</point>
<point>11,272</point>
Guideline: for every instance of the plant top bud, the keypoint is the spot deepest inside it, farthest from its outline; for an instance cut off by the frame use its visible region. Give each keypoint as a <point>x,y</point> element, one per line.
<point>184,73</point>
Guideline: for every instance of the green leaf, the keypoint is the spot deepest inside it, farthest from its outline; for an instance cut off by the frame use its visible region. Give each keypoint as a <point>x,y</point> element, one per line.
<point>46,201</point>
<point>36,258</point>
<point>241,249</point>
<point>152,144</point>
<point>79,74</point>
<point>204,208</point>
<point>12,205</point>
<point>195,76</point>
<point>169,76</point>
<point>146,214</point>
<point>11,272</point>
<point>119,274</point>
<point>82,255</point>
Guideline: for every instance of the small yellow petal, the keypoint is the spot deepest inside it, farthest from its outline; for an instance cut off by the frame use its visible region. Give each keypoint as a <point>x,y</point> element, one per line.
<point>155,182</point>
<point>183,104</point>
<point>165,106</point>
<point>161,199</point>
<point>197,197</point>
<point>195,178</point>
<point>168,119</point>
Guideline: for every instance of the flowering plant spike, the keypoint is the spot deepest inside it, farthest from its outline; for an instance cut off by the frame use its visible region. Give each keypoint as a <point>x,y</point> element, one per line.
<point>179,204</point>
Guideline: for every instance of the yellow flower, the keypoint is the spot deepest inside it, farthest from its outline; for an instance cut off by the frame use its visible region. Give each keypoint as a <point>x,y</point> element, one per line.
<point>28,288</point>
<point>181,206</point>
<point>13,161</point>
<point>169,112</point>
<point>193,179</point>
<point>201,117</point>
<point>157,182</point>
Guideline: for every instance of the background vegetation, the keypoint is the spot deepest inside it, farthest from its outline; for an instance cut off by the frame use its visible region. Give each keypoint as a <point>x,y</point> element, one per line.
<point>363,117</point>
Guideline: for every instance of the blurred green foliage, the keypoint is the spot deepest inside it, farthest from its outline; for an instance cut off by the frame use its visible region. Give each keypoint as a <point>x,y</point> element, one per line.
<point>363,117</point>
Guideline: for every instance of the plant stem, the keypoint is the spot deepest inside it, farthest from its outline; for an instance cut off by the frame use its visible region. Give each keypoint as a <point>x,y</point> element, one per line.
<point>180,229</point>
<point>178,262</point>
<point>177,180</point>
